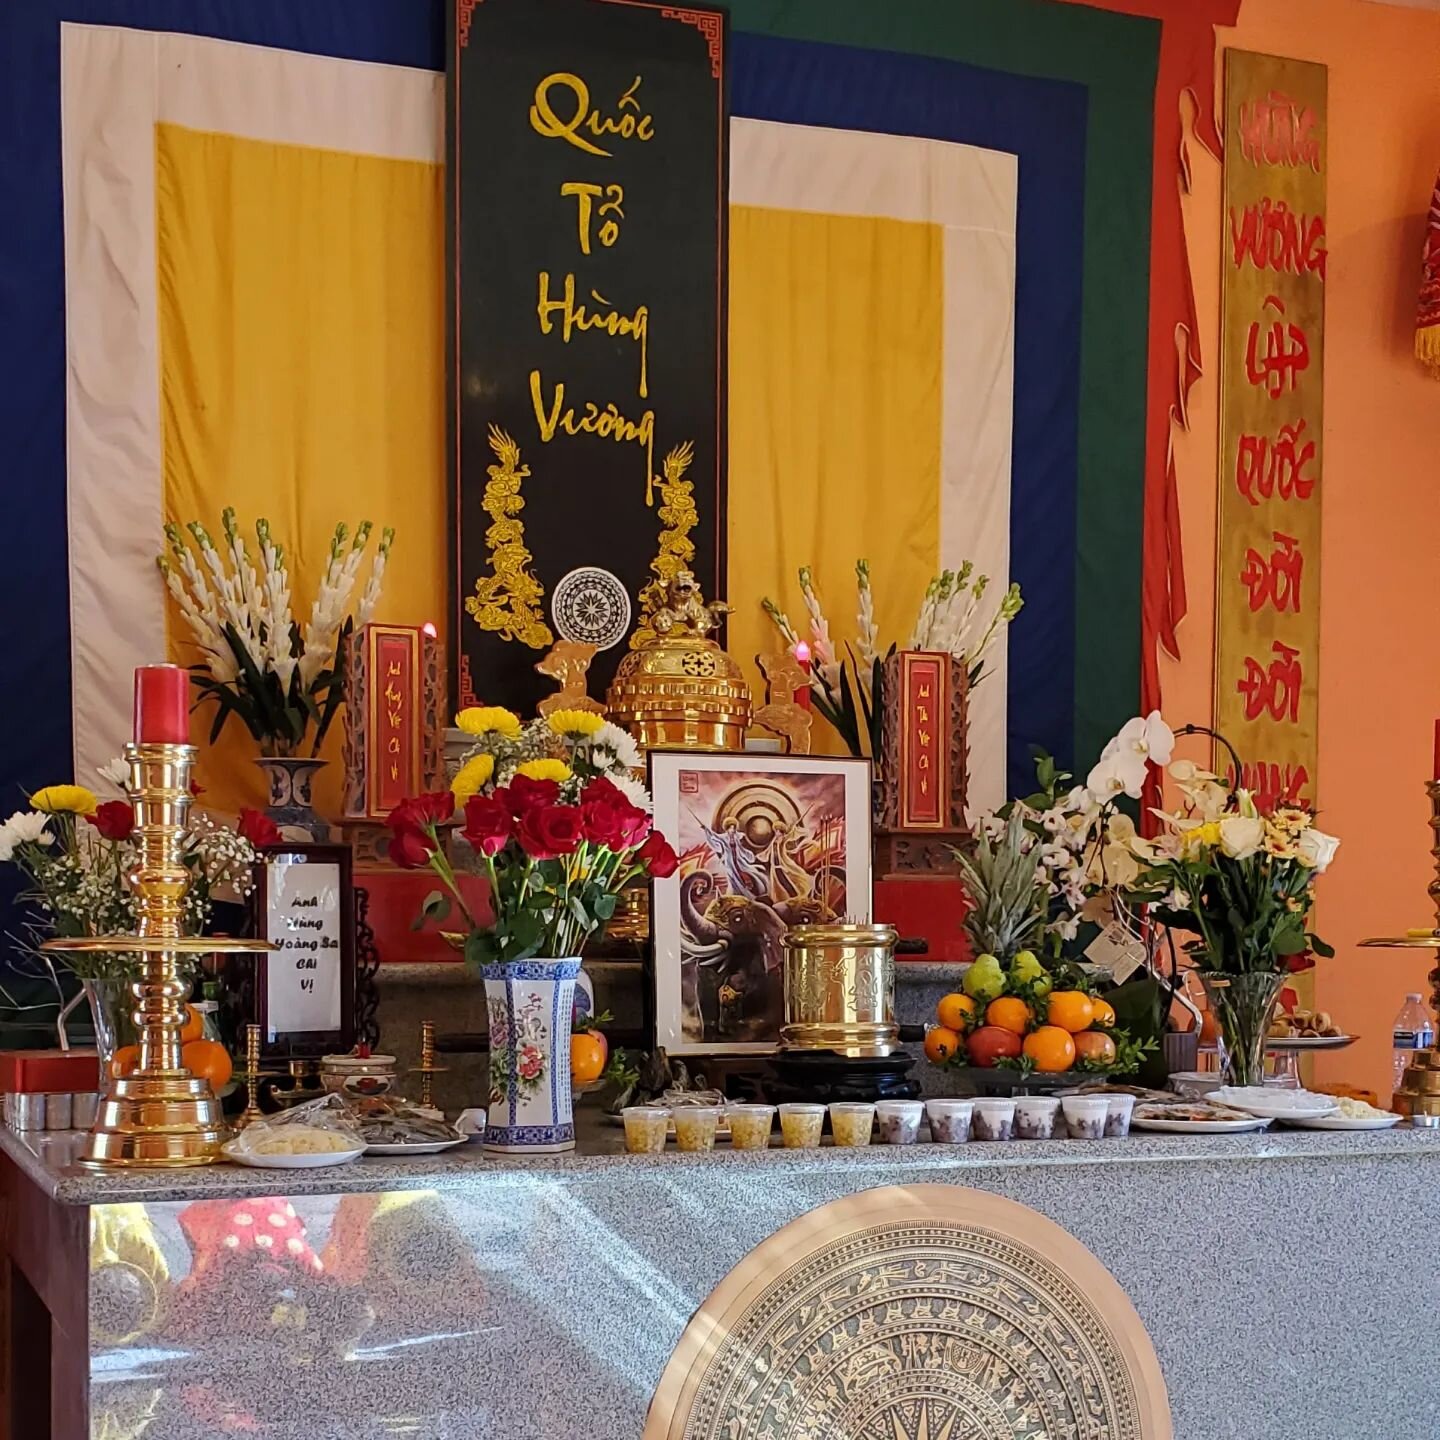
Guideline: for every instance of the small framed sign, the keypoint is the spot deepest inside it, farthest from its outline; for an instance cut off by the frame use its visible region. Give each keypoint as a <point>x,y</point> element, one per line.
<point>305,991</point>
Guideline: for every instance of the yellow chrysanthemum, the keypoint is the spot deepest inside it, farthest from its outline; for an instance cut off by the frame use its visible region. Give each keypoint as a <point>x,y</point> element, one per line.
<point>65,800</point>
<point>556,770</point>
<point>489,720</point>
<point>472,777</point>
<point>578,723</point>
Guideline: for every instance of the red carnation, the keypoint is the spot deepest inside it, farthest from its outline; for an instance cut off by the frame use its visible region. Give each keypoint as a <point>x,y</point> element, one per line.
<point>487,823</point>
<point>258,828</point>
<point>114,819</point>
<point>549,831</point>
<point>659,860</point>
<point>523,794</point>
<point>411,849</point>
<point>610,817</point>
<point>603,824</point>
<point>423,812</point>
<point>603,788</point>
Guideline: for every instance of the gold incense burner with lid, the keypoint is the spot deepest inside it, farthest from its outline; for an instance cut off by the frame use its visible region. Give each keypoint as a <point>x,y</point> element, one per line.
<point>840,989</point>
<point>677,689</point>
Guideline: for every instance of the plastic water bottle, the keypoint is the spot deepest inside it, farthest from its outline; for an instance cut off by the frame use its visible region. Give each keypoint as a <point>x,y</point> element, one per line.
<point>1414,1030</point>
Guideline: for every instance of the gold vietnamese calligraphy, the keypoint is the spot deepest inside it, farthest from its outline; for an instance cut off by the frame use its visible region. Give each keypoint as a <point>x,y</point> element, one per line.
<point>508,600</point>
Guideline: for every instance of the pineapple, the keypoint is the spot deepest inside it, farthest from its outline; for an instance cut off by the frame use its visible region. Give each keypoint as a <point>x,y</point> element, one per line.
<point>1008,901</point>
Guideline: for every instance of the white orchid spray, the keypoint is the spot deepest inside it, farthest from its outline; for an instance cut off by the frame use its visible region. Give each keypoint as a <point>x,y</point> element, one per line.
<point>950,619</point>
<point>256,662</point>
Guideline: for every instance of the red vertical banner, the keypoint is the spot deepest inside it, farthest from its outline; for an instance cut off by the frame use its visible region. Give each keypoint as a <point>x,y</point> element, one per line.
<point>1272,352</point>
<point>394,718</point>
<point>924,740</point>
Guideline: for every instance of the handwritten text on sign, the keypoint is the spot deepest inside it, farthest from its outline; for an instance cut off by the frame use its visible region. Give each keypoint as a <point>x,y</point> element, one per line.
<point>302,918</point>
<point>1272,329</point>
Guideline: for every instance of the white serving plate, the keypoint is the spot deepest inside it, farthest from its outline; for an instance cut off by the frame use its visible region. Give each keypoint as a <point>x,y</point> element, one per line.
<point>290,1162</point>
<point>429,1147</point>
<point>1344,1122</point>
<point>1311,1042</point>
<point>1273,1102</point>
<point>1199,1127</point>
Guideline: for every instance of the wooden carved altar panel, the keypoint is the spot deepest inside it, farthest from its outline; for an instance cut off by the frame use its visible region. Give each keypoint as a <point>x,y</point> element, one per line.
<point>924,1312</point>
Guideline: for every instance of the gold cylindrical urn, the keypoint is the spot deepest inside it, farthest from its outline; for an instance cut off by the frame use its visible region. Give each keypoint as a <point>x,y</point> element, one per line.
<point>840,989</point>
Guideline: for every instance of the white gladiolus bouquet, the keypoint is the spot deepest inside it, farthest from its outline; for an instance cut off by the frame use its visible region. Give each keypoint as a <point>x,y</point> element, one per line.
<point>258,663</point>
<point>951,618</point>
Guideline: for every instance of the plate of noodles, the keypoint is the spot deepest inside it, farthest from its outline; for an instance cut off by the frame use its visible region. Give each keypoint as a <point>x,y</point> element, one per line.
<point>293,1147</point>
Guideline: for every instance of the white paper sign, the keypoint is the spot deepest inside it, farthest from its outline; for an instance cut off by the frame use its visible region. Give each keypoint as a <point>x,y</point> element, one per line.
<point>302,918</point>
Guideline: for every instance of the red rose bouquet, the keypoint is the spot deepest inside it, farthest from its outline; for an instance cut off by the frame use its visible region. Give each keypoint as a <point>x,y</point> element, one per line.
<point>557,843</point>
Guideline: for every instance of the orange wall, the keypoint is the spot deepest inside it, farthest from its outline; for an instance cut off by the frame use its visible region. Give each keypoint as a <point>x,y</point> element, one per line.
<point>1380,643</point>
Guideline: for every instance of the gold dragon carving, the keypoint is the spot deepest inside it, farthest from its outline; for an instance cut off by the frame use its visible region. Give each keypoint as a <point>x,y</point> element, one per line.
<point>507,600</point>
<point>678,517</point>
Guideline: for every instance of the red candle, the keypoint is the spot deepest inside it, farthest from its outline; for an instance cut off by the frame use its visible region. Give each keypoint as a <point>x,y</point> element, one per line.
<point>802,695</point>
<point>162,715</point>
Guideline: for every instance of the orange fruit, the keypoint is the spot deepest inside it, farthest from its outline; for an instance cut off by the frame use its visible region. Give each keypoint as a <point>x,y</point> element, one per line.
<point>125,1061</point>
<point>941,1042</point>
<point>1209,1028</point>
<point>194,1026</point>
<point>207,1060</point>
<point>588,1054</point>
<point>1051,1048</point>
<point>1104,1017</point>
<point>1071,1010</point>
<point>1095,1045</point>
<point>1009,1013</point>
<point>955,1012</point>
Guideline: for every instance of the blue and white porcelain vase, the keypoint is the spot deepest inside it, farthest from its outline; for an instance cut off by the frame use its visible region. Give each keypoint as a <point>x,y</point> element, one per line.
<point>530,1004</point>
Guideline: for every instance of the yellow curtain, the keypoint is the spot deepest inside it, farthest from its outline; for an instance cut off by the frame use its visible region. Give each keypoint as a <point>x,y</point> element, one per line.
<point>301,299</point>
<point>836,362</point>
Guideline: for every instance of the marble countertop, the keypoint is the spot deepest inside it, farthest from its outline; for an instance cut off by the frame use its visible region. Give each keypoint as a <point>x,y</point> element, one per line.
<point>50,1161</point>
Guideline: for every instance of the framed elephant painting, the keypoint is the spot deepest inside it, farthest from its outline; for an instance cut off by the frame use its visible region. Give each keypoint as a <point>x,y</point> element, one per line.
<point>765,842</point>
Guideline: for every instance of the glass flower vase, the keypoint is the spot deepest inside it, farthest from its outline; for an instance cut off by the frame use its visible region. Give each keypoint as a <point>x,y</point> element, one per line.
<point>111,1002</point>
<point>1243,1006</point>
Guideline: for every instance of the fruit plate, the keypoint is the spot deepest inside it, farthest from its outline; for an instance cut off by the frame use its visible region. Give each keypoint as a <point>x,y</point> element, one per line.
<point>1198,1127</point>
<point>428,1147</point>
<point>1343,1122</point>
<point>998,1080</point>
<point>1311,1042</point>
<point>290,1162</point>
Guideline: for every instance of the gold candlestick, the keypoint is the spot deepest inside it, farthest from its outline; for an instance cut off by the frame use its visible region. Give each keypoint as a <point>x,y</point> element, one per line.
<point>161,1115</point>
<point>427,1068</point>
<point>1419,1094</point>
<point>251,1075</point>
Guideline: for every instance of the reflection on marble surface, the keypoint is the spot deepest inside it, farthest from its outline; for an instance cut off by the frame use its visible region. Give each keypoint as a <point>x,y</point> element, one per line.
<point>544,1303</point>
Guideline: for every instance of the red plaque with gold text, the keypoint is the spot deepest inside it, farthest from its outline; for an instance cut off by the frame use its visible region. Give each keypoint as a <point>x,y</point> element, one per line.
<point>920,805</point>
<point>924,731</point>
<point>394,721</point>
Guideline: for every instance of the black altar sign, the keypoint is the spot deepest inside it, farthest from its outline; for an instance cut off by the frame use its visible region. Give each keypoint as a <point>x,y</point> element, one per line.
<point>588,191</point>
